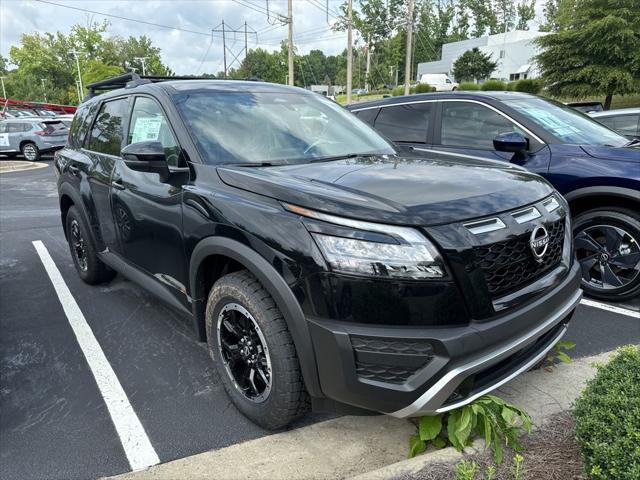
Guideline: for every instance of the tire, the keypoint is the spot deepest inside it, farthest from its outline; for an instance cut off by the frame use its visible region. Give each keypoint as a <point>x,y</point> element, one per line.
<point>239,300</point>
<point>30,151</point>
<point>607,243</point>
<point>89,267</point>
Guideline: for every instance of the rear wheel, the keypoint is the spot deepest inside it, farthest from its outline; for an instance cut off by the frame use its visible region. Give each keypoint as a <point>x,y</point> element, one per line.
<point>253,351</point>
<point>89,267</point>
<point>607,243</point>
<point>30,151</point>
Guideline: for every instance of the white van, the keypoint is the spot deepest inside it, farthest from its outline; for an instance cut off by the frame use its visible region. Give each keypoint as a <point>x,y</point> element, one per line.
<point>440,81</point>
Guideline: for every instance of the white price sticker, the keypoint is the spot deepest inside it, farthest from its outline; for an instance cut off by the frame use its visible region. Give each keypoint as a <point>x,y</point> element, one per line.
<point>146,129</point>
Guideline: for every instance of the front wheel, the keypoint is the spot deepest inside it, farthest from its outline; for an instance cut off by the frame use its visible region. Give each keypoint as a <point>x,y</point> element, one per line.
<point>253,352</point>
<point>30,151</point>
<point>607,243</point>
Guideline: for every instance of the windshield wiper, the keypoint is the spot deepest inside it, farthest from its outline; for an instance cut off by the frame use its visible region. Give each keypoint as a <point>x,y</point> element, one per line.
<point>266,163</point>
<point>631,143</point>
<point>340,157</point>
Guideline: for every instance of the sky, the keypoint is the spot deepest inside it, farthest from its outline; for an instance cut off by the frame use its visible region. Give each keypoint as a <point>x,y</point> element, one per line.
<point>185,52</point>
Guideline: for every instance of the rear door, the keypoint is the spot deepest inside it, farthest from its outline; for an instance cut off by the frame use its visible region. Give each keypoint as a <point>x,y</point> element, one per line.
<point>408,124</point>
<point>469,127</point>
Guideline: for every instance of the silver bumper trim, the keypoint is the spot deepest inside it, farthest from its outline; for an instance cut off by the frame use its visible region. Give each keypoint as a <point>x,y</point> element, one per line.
<point>430,402</point>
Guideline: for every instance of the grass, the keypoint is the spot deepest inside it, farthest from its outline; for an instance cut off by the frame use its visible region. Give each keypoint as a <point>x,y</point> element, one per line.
<point>342,99</point>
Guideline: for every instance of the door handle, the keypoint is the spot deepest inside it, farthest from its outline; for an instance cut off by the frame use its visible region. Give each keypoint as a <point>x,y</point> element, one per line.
<point>117,184</point>
<point>73,169</point>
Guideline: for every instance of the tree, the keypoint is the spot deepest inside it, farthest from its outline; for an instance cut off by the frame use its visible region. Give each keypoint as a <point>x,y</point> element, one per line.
<point>596,50</point>
<point>526,11</point>
<point>505,12</point>
<point>133,49</point>
<point>473,65</point>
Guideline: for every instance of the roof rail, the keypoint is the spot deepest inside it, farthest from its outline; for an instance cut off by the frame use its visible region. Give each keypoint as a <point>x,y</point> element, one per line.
<point>132,79</point>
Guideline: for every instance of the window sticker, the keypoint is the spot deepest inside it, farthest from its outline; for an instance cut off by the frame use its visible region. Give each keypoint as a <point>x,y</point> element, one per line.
<point>553,123</point>
<point>146,129</point>
<point>4,139</point>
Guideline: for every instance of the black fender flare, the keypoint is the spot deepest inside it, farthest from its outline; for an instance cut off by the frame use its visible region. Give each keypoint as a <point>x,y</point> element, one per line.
<point>623,192</point>
<point>67,189</point>
<point>277,288</point>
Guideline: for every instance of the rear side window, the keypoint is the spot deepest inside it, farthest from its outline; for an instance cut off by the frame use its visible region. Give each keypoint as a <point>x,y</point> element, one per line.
<point>106,135</point>
<point>405,123</point>
<point>80,124</point>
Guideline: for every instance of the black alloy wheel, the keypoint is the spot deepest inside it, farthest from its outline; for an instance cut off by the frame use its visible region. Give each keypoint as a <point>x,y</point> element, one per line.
<point>79,246</point>
<point>244,352</point>
<point>607,245</point>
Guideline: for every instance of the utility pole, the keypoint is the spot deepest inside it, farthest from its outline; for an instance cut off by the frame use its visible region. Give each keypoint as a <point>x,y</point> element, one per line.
<point>246,43</point>
<point>290,22</point>
<point>366,81</point>
<point>44,89</point>
<point>224,49</point>
<point>407,61</point>
<point>349,50</point>
<point>75,53</point>
<point>4,92</point>
<point>79,91</point>
<point>143,60</point>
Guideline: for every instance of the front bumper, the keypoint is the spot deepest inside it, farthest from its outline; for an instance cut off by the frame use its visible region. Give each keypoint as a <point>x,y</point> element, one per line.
<point>413,371</point>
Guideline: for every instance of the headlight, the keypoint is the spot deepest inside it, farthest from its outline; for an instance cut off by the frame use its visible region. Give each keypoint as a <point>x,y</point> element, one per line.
<point>406,255</point>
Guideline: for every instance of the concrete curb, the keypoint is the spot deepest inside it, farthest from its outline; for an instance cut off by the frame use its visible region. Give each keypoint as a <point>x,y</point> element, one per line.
<point>20,166</point>
<point>365,447</point>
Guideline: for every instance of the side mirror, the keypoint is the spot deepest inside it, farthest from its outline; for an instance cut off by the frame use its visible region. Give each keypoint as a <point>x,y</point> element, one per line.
<point>512,142</point>
<point>146,157</point>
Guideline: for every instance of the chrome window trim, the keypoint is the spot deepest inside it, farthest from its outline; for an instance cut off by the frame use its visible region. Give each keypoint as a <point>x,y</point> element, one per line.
<point>491,107</point>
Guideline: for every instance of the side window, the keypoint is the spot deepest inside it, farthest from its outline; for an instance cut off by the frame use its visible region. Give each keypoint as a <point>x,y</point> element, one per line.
<point>470,125</point>
<point>106,135</point>
<point>405,123</point>
<point>80,124</point>
<point>3,127</point>
<point>148,123</point>
<point>15,127</point>
<point>624,124</point>
<point>367,116</point>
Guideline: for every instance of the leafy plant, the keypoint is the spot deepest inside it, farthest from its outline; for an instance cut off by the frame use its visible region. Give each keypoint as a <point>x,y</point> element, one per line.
<point>423,88</point>
<point>466,470</point>
<point>607,418</point>
<point>468,86</point>
<point>518,467</point>
<point>528,85</point>
<point>557,353</point>
<point>489,417</point>
<point>398,91</point>
<point>494,85</point>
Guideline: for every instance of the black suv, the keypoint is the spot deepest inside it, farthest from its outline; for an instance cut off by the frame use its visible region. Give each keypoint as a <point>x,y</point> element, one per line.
<point>317,262</point>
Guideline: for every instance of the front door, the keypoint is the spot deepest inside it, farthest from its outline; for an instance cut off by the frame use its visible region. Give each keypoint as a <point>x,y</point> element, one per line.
<point>148,211</point>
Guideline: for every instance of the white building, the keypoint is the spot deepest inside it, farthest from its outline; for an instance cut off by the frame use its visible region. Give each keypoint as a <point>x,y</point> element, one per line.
<point>514,52</point>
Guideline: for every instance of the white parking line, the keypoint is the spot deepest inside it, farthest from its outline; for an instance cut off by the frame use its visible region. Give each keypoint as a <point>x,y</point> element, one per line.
<point>610,308</point>
<point>134,439</point>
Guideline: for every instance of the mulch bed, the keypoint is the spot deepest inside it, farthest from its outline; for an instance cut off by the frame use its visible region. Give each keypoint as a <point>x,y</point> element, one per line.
<point>550,453</point>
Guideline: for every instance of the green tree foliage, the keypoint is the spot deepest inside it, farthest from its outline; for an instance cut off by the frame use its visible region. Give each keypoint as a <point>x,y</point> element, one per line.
<point>48,56</point>
<point>473,65</point>
<point>595,51</point>
<point>526,11</point>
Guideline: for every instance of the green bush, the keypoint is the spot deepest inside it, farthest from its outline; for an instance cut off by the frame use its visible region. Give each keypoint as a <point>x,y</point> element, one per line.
<point>468,86</point>
<point>423,88</point>
<point>397,91</point>
<point>528,85</point>
<point>493,85</point>
<point>608,418</point>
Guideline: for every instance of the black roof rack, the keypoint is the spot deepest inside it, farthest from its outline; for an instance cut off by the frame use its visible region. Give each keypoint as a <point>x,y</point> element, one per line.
<point>132,79</point>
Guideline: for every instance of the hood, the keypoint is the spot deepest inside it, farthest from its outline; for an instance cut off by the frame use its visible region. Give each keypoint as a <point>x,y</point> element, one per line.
<point>396,190</point>
<point>624,154</point>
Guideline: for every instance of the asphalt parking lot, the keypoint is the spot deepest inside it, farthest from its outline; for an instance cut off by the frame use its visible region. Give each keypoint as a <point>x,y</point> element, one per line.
<point>54,422</point>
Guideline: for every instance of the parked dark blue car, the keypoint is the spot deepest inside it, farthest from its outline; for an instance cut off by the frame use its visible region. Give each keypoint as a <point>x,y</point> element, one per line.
<point>596,169</point>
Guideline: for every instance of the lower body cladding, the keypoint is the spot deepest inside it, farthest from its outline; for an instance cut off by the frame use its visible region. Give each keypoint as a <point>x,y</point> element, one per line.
<point>413,371</point>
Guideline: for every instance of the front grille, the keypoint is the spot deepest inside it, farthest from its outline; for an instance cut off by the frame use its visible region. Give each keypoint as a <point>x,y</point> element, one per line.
<point>509,265</point>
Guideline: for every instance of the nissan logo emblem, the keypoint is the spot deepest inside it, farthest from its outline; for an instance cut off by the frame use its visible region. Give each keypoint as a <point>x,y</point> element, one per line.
<point>539,242</point>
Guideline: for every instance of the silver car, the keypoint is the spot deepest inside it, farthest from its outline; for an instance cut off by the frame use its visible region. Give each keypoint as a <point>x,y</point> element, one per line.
<point>31,136</point>
<point>625,121</point>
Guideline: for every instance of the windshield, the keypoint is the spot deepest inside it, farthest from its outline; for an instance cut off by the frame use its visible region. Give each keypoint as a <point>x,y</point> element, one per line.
<point>249,127</point>
<point>569,125</point>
